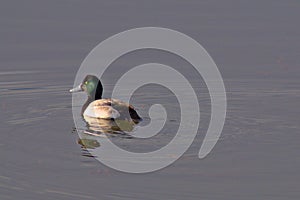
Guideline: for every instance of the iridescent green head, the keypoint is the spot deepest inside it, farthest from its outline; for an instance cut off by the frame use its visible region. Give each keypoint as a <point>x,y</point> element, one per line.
<point>92,86</point>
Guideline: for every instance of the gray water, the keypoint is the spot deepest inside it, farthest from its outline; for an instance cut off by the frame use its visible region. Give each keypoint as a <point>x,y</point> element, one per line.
<point>256,47</point>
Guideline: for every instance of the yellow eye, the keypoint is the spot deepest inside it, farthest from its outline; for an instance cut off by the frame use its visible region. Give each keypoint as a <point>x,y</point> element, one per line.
<point>86,83</point>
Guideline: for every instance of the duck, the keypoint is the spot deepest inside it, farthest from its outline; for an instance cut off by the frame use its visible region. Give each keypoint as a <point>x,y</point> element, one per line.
<point>97,108</point>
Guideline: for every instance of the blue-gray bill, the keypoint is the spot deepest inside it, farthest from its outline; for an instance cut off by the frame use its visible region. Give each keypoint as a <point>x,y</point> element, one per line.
<point>77,89</point>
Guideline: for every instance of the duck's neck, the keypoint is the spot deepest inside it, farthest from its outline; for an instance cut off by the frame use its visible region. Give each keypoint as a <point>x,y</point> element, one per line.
<point>92,97</point>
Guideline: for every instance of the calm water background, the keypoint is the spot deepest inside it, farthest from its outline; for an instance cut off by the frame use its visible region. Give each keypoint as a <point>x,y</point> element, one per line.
<point>256,47</point>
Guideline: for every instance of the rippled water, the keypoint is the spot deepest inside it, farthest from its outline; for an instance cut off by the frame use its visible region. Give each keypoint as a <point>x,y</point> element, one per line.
<point>43,156</point>
<point>255,47</point>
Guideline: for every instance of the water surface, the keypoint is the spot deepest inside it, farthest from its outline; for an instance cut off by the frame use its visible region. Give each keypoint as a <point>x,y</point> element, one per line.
<point>255,45</point>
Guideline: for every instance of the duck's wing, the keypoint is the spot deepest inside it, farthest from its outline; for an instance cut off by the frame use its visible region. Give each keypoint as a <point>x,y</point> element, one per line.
<point>125,110</point>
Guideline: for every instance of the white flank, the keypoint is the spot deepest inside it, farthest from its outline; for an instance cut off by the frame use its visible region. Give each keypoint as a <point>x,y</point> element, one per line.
<point>102,112</point>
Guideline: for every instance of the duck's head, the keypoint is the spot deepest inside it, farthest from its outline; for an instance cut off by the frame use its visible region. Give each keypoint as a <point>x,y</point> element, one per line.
<point>91,85</point>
